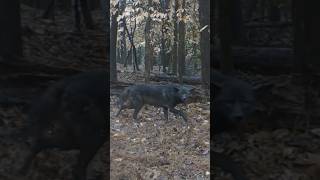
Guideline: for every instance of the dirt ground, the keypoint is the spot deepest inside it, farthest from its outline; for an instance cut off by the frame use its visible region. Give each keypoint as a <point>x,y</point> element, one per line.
<point>47,43</point>
<point>158,149</point>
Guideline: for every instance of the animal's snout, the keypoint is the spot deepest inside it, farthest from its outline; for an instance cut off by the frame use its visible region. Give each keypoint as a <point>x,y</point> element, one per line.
<point>184,98</point>
<point>237,114</point>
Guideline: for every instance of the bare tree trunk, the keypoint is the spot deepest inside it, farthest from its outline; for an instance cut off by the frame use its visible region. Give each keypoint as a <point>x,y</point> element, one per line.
<point>133,53</point>
<point>49,12</point>
<point>236,20</point>
<point>128,58</point>
<point>181,45</point>
<point>86,14</point>
<point>204,13</point>
<point>164,36</point>
<point>113,46</point>
<point>175,39</point>
<point>123,42</point>
<point>148,56</point>
<point>227,64</point>
<point>10,34</point>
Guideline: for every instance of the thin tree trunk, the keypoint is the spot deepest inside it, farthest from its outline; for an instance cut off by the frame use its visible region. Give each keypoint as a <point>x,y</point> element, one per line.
<point>113,47</point>
<point>10,34</point>
<point>227,64</point>
<point>181,46</point>
<point>175,39</point>
<point>204,14</point>
<point>148,56</point>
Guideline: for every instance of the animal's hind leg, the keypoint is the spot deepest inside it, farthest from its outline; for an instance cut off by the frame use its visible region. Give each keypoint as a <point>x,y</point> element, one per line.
<point>136,111</point>
<point>165,111</point>
<point>137,105</point>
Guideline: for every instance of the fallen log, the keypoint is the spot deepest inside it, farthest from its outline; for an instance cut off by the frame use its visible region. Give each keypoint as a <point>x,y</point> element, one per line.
<point>27,79</point>
<point>12,101</point>
<point>268,25</point>
<point>265,59</point>
<point>194,80</point>
<point>16,64</point>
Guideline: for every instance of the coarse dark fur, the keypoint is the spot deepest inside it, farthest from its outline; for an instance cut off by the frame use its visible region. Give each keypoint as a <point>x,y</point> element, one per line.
<point>70,115</point>
<point>165,96</point>
<point>233,103</point>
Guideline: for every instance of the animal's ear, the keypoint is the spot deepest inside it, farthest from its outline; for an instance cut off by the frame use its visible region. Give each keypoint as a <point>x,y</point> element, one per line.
<point>192,90</point>
<point>188,88</point>
<point>176,89</point>
<point>261,89</point>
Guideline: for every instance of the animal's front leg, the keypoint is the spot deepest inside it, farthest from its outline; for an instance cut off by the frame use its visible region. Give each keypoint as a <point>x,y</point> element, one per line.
<point>165,111</point>
<point>136,111</point>
<point>179,112</point>
<point>122,107</point>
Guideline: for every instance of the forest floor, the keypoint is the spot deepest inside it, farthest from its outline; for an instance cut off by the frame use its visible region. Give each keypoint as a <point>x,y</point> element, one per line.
<point>160,149</point>
<point>52,50</point>
<point>156,150</point>
<point>278,143</point>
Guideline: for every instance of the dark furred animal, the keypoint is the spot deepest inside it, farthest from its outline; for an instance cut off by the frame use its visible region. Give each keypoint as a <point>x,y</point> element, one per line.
<point>70,115</point>
<point>233,102</point>
<point>165,96</point>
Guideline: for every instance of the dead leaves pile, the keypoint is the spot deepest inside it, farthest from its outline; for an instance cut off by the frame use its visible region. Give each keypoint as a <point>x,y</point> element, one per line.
<point>158,149</point>
<point>290,150</point>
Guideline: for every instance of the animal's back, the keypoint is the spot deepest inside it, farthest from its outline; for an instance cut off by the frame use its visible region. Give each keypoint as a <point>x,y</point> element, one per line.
<point>157,95</point>
<point>70,115</point>
<point>76,92</point>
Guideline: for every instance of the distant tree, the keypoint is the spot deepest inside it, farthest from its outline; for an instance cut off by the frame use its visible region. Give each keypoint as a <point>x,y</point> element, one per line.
<point>174,50</point>
<point>225,35</point>
<point>77,7</point>
<point>132,54</point>
<point>122,31</point>
<point>148,51</point>
<point>113,41</point>
<point>181,41</point>
<point>164,34</point>
<point>204,17</point>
